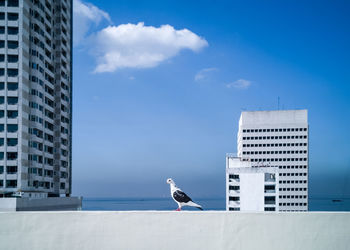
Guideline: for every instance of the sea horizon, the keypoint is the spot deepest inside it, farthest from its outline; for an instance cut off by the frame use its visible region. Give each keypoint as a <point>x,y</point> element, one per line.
<point>327,203</point>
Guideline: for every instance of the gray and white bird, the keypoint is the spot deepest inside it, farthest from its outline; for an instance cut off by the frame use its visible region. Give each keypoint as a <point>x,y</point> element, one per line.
<point>180,197</point>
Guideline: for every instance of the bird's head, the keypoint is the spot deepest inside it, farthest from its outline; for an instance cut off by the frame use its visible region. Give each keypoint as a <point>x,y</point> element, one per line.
<point>170,181</point>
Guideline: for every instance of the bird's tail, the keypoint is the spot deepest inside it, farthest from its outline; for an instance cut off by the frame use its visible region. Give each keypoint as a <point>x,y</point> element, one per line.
<point>191,203</point>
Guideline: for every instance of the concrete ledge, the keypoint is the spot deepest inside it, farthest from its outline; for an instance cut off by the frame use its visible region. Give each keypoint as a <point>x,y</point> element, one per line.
<point>42,204</point>
<point>174,230</point>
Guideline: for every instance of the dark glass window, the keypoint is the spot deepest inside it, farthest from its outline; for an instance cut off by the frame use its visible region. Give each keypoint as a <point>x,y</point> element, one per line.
<point>12,86</point>
<point>12,114</point>
<point>12,72</point>
<point>1,155</point>
<point>2,30</point>
<point>12,44</point>
<point>11,169</point>
<point>12,128</point>
<point>2,100</point>
<point>2,85</point>
<point>12,58</point>
<point>2,2</point>
<point>1,141</point>
<point>2,44</point>
<point>12,156</point>
<point>12,16</point>
<point>2,16</point>
<point>11,183</point>
<point>12,3</point>
<point>2,58</point>
<point>12,30</point>
<point>1,172</point>
<point>12,100</point>
<point>2,113</point>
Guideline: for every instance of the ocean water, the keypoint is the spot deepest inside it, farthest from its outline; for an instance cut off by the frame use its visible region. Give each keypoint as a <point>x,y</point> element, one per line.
<point>123,204</point>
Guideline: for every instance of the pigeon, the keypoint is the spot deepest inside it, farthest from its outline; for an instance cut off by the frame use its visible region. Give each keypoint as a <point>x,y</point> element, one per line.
<point>180,197</point>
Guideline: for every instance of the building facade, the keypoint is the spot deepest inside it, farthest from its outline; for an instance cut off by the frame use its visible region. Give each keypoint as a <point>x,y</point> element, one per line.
<point>278,140</point>
<point>35,98</point>
<point>250,188</point>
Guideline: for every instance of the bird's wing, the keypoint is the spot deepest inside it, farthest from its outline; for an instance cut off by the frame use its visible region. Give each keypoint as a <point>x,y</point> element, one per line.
<point>180,196</point>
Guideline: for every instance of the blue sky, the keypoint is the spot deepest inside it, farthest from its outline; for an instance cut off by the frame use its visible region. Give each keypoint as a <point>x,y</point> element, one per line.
<point>159,87</point>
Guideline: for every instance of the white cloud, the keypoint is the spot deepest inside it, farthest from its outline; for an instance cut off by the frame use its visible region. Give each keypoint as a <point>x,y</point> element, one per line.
<point>239,84</point>
<point>86,15</point>
<point>139,46</point>
<point>204,74</point>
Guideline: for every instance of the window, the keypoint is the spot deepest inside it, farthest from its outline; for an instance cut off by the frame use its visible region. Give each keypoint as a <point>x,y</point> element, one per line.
<point>12,128</point>
<point>233,198</point>
<point>12,100</point>
<point>12,142</point>
<point>12,30</point>
<point>1,171</point>
<point>234,188</point>
<point>12,16</point>
<point>2,113</point>
<point>62,185</point>
<point>2,2</point>
<point>2,58</point>
<point>234,209</point>
<point>2,44</point>
<point>2,127</point>
<point>11,169</point>
<point>12,86</point>
<point>12,58</point>
<point>270,200</point>
<point>11,183</point>
<point>12,3</point>
<point>12,72</point>
<point>1,141</point>
<point>2,30</point>
<point>1,155</point>
<point>270,209</point>
<point>234,176</point>
<point>12,114</point>
<point>12,44</point>
<point>2,100</point>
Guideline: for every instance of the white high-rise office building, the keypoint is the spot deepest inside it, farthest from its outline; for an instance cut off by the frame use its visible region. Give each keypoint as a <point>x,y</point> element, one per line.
<point>35,98</point>
<point>271,142</point>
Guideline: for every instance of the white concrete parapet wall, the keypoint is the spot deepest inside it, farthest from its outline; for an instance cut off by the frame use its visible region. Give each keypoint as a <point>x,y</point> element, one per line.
<point>174,230</point>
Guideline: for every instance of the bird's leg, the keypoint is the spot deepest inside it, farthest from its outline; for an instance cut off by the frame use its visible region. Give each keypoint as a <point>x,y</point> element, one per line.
<point>178,209</point>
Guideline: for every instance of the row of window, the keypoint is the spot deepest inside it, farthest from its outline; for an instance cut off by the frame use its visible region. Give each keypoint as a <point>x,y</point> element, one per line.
<point>10,44</point>
<point>274,130</point>
<point>10,3</point>
<point>278,159</point>
<point>293,182</point>
<point>11,128</point>
<point>274,137</point>
<point>10,72</point>
<point>9,169</point>
<point>11,16</point>
<point>41,172</point>
<point>293,204</point>
<point>274,152</point>
<point>10,100</point>
<point>11,114</point>
<point>293,174</point>
<point>11,86</point>
<point>293,196</point>
<point>11,142</point>
<point>10,30</point>
<point>10,58</point>
<point>283,167</point>
<point>275,145</point>
<point>39,159</point>
<point>11,156</point>
<point>9,183</point>
<point>292,189</point>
